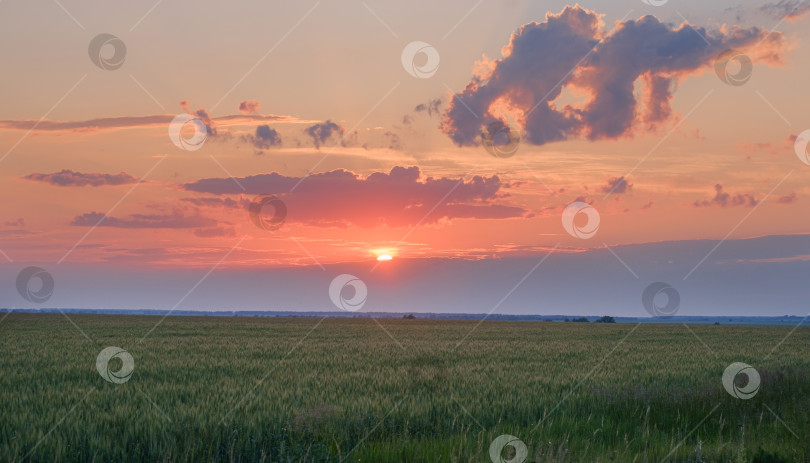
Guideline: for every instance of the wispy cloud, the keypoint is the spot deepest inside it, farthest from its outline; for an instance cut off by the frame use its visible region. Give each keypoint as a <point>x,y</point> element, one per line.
<point>787,9</point>
<point>133,122</point>
<point>175,220</point>
<point>723,199</point>
<point>67,177</point>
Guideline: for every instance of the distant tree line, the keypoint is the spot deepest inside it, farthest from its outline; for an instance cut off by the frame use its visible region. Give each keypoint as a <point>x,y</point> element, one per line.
<point>604,319</point>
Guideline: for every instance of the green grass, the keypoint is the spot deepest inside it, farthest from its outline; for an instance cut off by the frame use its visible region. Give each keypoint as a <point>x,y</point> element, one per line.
<point>265,389</point>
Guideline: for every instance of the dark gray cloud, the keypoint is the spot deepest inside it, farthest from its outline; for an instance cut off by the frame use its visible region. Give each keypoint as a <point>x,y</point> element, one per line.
<point>430,108</point>
<point>264,138</point>
<point>324,131</point>
<point>724,199</point>
<point>68,177</point>
<point>203,115</point>
<point>572,49</point>
<point>617,185</point>
<point>269,137</point>
<point>401,197</point>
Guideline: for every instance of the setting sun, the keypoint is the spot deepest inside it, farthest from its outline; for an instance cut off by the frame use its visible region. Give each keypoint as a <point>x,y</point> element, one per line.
<point>384,257</point>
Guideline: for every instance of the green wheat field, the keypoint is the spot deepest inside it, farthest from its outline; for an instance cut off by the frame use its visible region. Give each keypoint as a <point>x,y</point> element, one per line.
<point>329,390</point>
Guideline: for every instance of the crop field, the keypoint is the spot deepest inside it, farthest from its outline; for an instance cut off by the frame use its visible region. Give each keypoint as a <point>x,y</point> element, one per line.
<point>360,390</point>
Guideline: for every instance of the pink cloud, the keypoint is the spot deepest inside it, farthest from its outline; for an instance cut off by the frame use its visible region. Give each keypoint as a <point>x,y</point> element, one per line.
<point>249,107</point>
<point>788,199</point>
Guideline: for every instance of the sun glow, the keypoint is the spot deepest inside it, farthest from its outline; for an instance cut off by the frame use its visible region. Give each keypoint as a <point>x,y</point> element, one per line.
<point>384,253</point>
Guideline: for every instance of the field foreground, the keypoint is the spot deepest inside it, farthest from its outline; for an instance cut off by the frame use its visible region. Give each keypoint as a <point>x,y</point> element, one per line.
<point>312,390</point>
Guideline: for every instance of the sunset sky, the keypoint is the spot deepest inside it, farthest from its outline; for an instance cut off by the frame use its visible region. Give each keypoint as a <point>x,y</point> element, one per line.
<point>619,105</point>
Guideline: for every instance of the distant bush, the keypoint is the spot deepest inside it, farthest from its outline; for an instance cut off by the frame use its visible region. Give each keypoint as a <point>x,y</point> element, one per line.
<point>408,316</point>
<point>605,319</point>
<point>580,320</point>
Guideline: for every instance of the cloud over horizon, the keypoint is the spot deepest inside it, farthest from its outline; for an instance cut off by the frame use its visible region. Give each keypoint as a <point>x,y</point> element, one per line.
<point>398,198</point>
